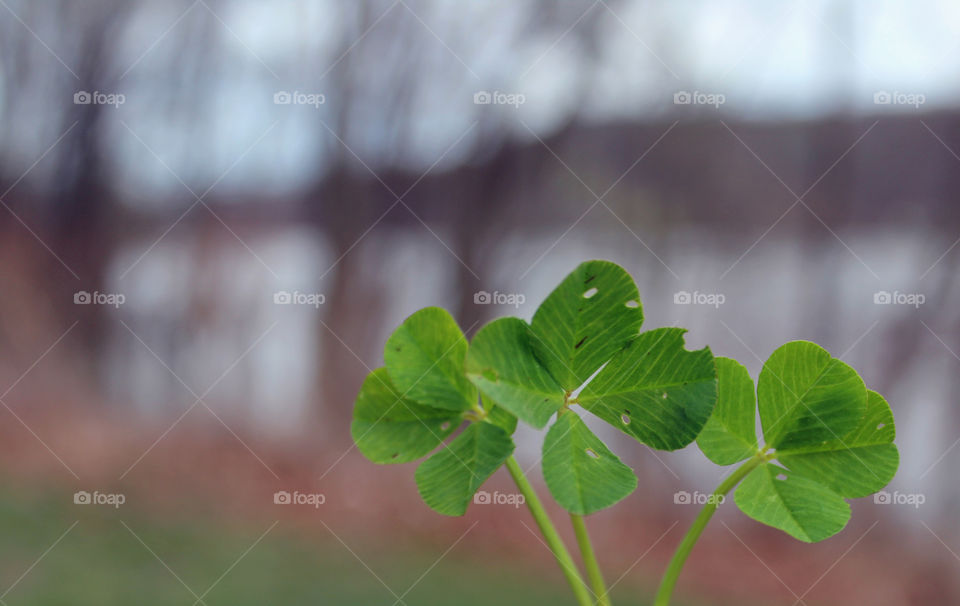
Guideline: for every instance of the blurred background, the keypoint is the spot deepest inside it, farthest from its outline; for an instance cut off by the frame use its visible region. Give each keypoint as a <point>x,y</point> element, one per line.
<point>215,212</point>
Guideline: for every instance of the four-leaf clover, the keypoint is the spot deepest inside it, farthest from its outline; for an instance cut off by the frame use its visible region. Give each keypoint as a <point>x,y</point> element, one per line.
<point>832,437</point>
<point>585,339</point>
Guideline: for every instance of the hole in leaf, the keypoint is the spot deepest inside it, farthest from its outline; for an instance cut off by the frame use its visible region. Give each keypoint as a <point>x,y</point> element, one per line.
<point>625,419</point>
<point>577,346</point>
<point>632,304</point>
<point>590,293</point>
<point>490,375</point>
<point>881,426</point>
<point>445,426</point>
<point>782,477</point>
<point>592,453</point>
<point>664,396</point>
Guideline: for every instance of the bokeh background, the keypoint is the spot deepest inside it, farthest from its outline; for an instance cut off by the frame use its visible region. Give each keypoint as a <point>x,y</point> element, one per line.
<point>170,172</point>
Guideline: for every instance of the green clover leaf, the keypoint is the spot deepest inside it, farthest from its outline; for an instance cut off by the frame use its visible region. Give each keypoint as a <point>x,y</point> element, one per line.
<point>581,472</point>
<point>448,480</point>
<point>592,314</point>
<point>730,434</point>
<point>807,396</point>
<point>860,463</point>
<point>389,428</point>
<point>655,390</point>
<point>501,363</point>
<point>499,416</point>
<point>832,436</point>
<point>802,508</point>
<point>425,358</point>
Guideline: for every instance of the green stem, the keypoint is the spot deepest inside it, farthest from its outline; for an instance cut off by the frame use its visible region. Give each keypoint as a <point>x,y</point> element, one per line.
<point>590,560</point>
<point>550,534</point>
<point>683,551</point>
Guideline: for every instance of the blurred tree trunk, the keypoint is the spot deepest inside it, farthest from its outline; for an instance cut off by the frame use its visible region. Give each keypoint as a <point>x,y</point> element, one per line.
<point>83,212</point>
<point>355,295</point>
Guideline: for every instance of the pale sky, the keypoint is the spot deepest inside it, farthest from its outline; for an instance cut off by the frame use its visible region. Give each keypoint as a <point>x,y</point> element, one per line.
<point>768,60</point>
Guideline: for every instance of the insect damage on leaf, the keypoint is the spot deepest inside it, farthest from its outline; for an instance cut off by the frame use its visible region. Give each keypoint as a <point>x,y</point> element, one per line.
<point>655,390</point>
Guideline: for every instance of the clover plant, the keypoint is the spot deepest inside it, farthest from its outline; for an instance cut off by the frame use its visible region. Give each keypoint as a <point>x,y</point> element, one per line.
<point>826,437</point>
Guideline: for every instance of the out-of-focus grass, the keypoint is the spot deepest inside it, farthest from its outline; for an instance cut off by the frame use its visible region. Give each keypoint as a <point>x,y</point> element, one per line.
<point>102,562</point>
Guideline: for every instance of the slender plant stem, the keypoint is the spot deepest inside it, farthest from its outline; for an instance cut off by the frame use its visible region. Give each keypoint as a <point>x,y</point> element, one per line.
<point>683,551</point>
<point>550,534</point>
<point>594,574</point>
